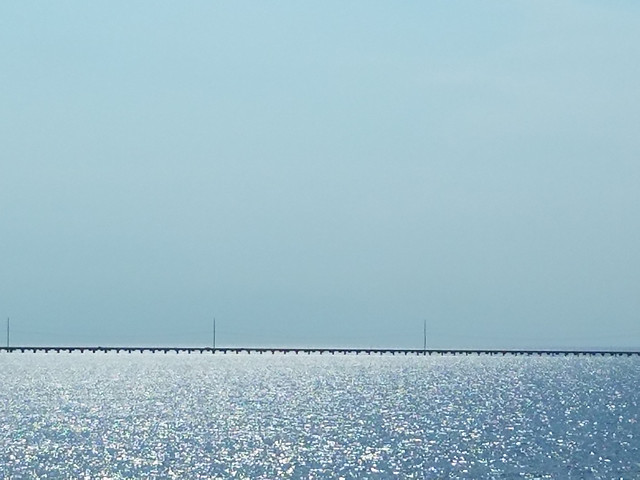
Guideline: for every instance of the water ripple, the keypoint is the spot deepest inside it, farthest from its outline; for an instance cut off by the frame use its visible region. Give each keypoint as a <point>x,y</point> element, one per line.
<point>263,417</point>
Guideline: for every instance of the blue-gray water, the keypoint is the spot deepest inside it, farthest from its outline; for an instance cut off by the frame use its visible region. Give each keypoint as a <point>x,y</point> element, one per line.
<point>113,416</point>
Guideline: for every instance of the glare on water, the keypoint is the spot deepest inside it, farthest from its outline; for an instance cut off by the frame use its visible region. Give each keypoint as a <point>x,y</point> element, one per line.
<point>274,416</point>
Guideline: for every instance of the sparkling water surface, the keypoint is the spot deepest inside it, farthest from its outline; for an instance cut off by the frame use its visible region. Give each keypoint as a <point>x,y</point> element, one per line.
<point>112,416</point>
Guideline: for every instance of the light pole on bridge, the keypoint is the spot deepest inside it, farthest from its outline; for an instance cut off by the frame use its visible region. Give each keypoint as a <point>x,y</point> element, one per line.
<point>424,336</point>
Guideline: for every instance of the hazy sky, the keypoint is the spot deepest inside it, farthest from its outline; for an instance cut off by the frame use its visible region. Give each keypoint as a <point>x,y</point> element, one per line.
<point>321,173</point>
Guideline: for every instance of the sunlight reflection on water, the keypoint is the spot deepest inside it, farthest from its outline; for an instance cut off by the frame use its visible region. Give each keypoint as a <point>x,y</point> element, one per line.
<point>273,416</point>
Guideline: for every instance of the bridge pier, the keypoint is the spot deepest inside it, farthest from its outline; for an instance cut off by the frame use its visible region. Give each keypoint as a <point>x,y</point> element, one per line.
<point>320,351</point>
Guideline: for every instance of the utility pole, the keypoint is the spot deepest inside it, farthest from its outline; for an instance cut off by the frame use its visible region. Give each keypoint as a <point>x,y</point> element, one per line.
<point>424,335</point>
<point>214,333</point>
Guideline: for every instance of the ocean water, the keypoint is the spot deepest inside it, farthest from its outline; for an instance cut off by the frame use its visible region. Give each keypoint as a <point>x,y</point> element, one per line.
<point>112,416</point>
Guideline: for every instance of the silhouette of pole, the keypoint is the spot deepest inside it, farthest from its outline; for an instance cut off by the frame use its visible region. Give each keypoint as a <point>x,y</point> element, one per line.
<point>214,333</point>
<point>424,337</point>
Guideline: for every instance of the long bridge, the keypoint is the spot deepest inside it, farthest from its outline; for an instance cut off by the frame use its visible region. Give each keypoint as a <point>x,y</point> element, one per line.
<point>318,351</point>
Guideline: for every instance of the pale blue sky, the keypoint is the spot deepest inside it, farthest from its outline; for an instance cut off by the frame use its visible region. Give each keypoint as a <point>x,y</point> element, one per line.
<point>321,173</point>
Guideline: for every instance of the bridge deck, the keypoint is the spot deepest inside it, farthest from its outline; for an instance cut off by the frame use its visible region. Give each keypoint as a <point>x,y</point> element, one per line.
<point>320,351</point>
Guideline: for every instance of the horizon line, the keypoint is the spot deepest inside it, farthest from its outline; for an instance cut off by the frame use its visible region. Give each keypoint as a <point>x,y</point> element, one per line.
<point>321,350</point>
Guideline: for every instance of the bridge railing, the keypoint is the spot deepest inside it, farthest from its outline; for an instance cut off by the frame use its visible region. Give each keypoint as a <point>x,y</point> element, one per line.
<point>318,351</point>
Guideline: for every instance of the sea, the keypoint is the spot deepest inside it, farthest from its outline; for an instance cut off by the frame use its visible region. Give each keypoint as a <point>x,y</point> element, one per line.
<point>204,416</point>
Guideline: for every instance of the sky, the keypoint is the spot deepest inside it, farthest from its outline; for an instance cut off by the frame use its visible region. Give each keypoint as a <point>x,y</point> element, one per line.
<point>320,173</point>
